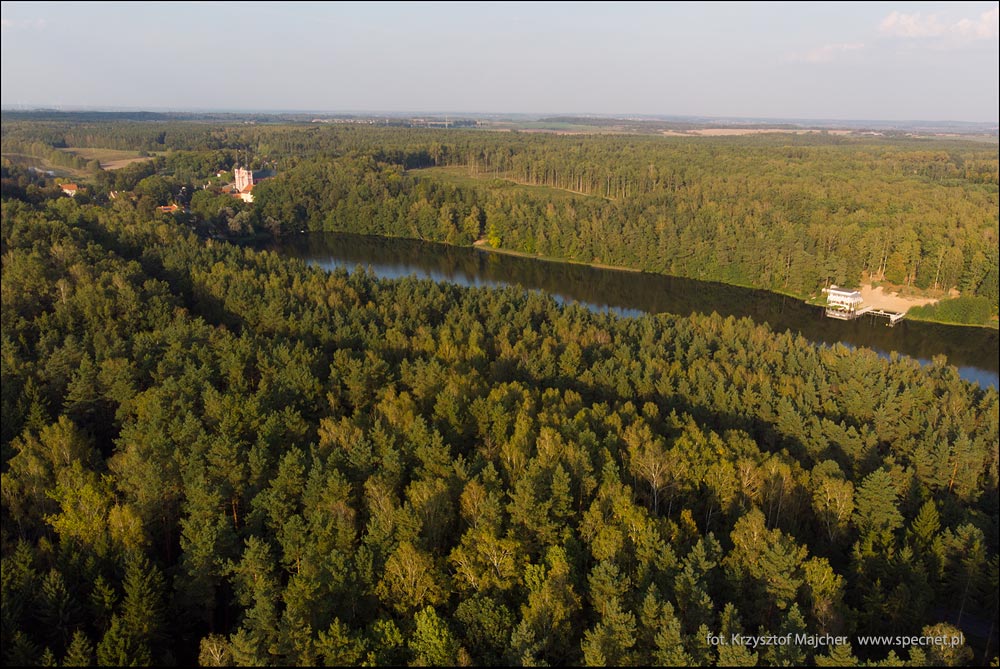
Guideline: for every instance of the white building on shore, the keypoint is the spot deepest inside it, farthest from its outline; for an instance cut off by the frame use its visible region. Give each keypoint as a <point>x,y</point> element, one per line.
<point>846,300</point>
<point>843,304</point>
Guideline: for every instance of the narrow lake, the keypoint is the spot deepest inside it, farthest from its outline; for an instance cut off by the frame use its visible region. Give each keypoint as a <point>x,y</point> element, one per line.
<point>973,350</point>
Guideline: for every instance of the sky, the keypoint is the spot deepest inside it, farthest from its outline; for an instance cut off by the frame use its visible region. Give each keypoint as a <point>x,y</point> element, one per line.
<point>930,61</point>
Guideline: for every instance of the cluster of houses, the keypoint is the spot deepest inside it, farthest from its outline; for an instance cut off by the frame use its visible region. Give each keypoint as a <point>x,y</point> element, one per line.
<point>242,186</point>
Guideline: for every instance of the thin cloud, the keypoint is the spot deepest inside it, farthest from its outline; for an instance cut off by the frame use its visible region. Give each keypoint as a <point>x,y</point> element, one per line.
<point>986,27</point>
<point>28,24</point>
<point>932,27</point>
<point>827,52</point>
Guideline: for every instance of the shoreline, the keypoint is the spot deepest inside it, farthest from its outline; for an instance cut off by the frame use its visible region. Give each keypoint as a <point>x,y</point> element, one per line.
<point>917,319</point>
<point>877,292</point>
<point>481,245</point>
<point>873,296</point>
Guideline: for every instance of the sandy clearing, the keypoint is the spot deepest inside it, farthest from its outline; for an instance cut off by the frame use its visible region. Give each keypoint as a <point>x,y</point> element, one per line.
<point>730,132</point>
<point>879,299</point>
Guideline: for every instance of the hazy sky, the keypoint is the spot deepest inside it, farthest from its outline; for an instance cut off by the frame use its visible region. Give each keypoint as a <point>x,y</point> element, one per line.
<point>873,61</point>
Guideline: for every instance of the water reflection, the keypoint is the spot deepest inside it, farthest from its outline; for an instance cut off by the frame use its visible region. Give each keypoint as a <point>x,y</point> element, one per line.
<point>973,350</point>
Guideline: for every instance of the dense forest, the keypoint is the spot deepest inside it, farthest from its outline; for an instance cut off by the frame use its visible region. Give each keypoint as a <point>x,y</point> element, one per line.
<point>217,455</point>
<point>782,212</point>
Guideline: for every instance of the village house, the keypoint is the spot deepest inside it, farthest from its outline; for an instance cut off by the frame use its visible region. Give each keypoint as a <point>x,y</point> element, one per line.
<point>70,189</point>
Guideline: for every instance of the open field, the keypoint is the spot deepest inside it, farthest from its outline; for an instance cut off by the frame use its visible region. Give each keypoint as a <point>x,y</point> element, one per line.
<point>460,176</point>
<point>735,132</point>
<point>110,159</point>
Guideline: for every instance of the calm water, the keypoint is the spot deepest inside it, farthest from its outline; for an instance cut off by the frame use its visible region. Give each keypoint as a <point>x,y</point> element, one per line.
<point>973,350</point>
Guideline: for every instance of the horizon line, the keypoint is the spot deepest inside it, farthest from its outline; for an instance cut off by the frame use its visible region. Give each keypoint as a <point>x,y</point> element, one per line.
<point>625,116</point>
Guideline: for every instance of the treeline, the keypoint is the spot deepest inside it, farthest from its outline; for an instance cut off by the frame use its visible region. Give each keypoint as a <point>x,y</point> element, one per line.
<point>218,455</point>
<point>363,195</point>
<point>20,183</point>
<point>52,156</point>
<point>122,135</point>
<point>769,234</point>
<point>965,310</point>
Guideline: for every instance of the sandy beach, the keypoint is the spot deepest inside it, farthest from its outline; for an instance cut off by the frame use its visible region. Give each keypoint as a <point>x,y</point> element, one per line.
<point>879,299</point>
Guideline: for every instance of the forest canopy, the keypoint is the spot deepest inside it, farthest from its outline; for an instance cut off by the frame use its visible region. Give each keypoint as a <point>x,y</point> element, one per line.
<point>217,455</point>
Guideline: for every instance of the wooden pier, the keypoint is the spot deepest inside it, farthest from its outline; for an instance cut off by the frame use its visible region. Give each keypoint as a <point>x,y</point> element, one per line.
<point>891,315</point>
<point>851,314</point>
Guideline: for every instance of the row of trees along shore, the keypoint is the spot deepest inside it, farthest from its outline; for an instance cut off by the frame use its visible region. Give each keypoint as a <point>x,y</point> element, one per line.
<point>217,455</point>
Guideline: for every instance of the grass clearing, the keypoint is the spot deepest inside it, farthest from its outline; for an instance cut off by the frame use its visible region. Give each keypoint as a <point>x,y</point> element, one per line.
<point>460,176</point>
<point>110,159</point>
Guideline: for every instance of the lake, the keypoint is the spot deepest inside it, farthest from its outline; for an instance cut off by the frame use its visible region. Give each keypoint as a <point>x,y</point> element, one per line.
<point>974,351</point>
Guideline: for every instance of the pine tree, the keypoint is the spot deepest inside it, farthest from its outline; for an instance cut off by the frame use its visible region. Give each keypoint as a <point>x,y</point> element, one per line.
<point>19,587</point>
<point>337,647</point>
<point>791,654</point>
<point>142,613</point>
<point>20,651</point>
<point>924,528</point>
<point>57,609</point>
<point>670,650</point>
<point>611,640</point>
<point>386,643</point>
<point>875,508</point>
<point>838,656</point>
<point>102,603</point>
<point>247,649</point>
<point>80,652</point>
<point>733,654</point>
<point>432,642</point>
<point>120,647</point>
<point>486,626</point>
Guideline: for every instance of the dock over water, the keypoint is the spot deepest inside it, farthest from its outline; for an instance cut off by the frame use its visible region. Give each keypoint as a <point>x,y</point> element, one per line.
<point>845,305</point>
<point>893,316</point>
<point>851,314</point>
